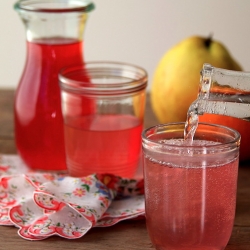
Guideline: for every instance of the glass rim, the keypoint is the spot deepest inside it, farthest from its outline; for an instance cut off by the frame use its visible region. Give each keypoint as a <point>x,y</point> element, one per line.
<point>136,78</point>
<point>57,6</point>
<point>147,140</point>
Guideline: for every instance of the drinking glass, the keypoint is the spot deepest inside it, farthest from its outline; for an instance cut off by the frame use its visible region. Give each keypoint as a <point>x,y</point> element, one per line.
<point>103,109</point>
<point>190,187</point>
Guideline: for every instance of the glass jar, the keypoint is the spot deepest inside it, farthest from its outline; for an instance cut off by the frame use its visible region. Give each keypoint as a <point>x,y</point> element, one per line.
<point>103,107</point>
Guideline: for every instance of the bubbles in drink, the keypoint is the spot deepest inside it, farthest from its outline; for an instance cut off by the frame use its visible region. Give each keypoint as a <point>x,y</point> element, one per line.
<point>182,142</point>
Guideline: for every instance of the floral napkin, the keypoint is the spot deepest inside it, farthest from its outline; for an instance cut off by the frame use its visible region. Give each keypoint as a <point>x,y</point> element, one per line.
<point>46,204</point>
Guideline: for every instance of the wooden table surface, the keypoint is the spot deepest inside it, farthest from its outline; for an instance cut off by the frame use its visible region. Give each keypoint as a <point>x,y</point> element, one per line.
<point>127,235</point>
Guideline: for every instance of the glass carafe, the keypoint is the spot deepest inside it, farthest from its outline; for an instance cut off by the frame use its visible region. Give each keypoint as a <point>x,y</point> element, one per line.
<point>54,32</point>
<point>224,92</point>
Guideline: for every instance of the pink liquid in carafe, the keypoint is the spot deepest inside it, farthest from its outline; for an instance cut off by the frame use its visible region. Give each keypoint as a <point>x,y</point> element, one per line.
<point>38,119</point>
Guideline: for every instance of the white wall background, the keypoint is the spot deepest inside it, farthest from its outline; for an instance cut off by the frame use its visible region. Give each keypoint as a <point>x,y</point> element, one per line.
<point>137,31</point>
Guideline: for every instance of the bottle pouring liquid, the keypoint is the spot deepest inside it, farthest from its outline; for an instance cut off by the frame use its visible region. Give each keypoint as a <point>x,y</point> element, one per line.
<point>224,92</point>
<point>221,92</point>
<point>54,31</point>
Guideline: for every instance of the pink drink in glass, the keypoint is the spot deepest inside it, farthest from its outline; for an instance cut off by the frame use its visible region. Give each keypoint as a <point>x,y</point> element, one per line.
<point>190,203</point>
<point>103,144</point>
<point>197,211</point>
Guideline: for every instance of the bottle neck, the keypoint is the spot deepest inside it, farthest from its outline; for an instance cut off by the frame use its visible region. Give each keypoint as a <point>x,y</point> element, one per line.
<point>54,20</point>
<point>224,92</point>
<point>220,84</point>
